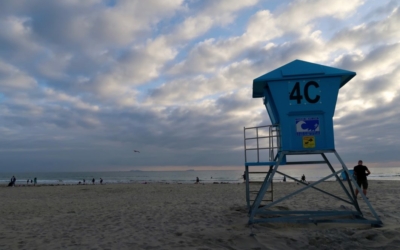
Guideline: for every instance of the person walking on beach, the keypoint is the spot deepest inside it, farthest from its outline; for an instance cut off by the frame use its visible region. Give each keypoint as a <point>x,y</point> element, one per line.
<point>303,178</point>
<point>84,181</point>
<point>361,172</point>
<point>10,184</point>
<point>93,180</point>
<point>197,180</point>
<point>13,180</point>
<point>34,181</point>
<point>101,181</point>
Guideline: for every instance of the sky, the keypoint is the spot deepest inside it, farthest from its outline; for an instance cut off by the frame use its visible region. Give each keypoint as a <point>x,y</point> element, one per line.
<point>84,83</point>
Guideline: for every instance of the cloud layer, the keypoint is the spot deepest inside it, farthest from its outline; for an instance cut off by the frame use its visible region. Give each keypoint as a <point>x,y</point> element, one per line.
<point>83,84</point>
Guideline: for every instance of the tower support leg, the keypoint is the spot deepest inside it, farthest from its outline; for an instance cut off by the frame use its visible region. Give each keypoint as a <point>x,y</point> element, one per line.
<point>310,216</point>
<point>264,188</point>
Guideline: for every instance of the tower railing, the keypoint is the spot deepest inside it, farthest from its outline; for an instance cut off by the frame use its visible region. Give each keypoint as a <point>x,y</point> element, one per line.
<point>267,138</point>
<point>264,140</point>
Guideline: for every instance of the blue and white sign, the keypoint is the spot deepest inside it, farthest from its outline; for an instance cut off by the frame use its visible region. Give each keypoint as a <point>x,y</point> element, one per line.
<point>307,126</point>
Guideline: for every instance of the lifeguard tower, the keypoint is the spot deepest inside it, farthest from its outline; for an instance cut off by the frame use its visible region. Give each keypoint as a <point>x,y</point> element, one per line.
<point>300,98</point>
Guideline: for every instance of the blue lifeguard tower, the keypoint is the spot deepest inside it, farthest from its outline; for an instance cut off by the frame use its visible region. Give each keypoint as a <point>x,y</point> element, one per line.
<point>300,98</point>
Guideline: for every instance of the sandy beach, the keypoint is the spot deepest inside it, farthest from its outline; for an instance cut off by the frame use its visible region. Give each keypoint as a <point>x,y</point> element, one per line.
<point>176,216</point>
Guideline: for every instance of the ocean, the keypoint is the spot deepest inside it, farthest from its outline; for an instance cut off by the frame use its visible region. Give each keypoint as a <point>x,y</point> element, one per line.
<point>185,177</point>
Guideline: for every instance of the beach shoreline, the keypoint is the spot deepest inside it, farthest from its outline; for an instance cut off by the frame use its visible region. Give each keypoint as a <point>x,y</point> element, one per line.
<point>230,176</point>
<point>187,216</point>
<point>119,183</point>
<point>165,183</point>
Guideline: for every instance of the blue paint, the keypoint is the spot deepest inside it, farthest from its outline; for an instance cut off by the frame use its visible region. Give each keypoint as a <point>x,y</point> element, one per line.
<point>344,174</point>
<point>300,98</point>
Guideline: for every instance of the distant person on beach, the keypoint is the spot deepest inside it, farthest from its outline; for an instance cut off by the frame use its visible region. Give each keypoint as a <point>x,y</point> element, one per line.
<point>27,182</point>
<point>34,181</point>
<point>93,180</point>
<point>284,178</point>
<point>303,178</point>
<point>197,180</point>
<point>101,181</point>
<point>12,181</point>
<point>244,175</point>
<point>31,181</point>
<point>84,181</point>
<point>361,172</point>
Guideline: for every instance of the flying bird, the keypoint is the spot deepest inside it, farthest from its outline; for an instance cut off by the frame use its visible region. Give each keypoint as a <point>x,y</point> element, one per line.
<point>136,151</point>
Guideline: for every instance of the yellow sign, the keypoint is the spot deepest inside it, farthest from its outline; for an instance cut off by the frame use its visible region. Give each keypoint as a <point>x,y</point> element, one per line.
<point>308,141</point>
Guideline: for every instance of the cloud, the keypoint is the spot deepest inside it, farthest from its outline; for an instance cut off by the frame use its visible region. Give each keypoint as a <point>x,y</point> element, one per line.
<point>94,24</point>
<point>262,27</point>
<point>223,11</point>
<point>194,89</point>
<point>378,61</point>
<point>299,13</point>
<point>13,79</point>
<point>373,33</point>
<point>84,83</point>
<point>16,38</point>
<point>238,73</point>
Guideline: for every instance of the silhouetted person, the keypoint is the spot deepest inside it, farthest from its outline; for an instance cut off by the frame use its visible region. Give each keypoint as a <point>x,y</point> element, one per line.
<point>284,178</point>
<point>34,181</point>
<point>361,172</point>
<point>12,181</point>
<point>197,180</point>
<point>101,181</point>
<point>84,181</point>
<point>244,175</point>
<point>303,178</point>
<point>93,180</point>
<point>27,182</point>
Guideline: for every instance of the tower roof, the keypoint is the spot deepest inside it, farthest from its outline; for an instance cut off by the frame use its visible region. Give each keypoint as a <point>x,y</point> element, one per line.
<point>297,70</point>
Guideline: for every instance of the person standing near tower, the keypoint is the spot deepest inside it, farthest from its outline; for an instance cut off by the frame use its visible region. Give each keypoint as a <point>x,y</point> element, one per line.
<point>361,172</point>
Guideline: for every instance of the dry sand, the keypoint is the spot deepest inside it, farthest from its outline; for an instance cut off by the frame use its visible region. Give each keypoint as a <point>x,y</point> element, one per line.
<point>174,216</point>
